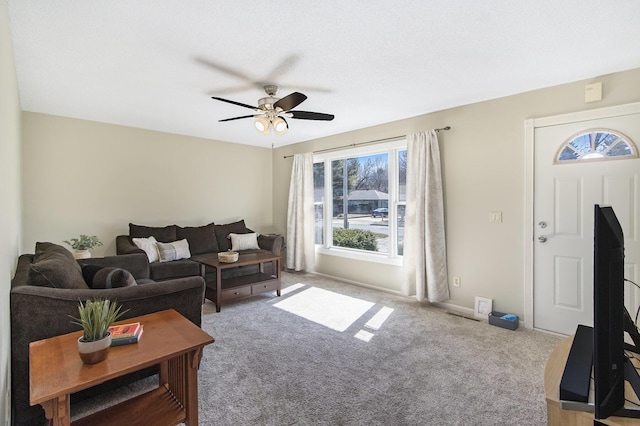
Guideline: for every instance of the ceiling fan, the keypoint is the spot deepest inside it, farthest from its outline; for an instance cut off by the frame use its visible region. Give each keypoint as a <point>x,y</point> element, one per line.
<point>272,112</point>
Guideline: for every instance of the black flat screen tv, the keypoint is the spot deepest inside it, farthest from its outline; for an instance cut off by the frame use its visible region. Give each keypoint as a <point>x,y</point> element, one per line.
<point>610,319</point>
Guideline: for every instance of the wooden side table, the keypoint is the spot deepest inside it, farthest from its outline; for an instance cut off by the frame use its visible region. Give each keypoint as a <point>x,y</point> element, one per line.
<point>169,339</point>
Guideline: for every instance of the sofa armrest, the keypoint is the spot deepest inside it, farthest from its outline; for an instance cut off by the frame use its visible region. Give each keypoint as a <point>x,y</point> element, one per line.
<point>124,245</point>
<point>272,243</point>
<point>136,263</point>
<point>21,276</point>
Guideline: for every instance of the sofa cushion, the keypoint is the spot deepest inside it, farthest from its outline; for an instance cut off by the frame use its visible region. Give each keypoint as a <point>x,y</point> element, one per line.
<point>150,247</point>
<point>107,277</point>
<point>45,250</point>
<point>176,269</point>
<point>223,231</point>
<point>164,234</point>
<point>202,239</point>
<point>244,241</point>
<point>54,266</point>
<point>173,251</point>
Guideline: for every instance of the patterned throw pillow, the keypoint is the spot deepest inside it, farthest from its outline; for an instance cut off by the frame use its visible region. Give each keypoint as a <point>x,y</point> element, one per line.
<point>149,245</point>
<point>244,241</point>
<point>107,277</point>
<point>173,251</point>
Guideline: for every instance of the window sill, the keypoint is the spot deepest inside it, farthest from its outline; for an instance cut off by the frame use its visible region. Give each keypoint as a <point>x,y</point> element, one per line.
<point>359,255</point>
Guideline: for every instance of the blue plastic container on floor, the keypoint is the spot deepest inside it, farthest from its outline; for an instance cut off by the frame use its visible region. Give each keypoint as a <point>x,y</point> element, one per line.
<point>503,320</point>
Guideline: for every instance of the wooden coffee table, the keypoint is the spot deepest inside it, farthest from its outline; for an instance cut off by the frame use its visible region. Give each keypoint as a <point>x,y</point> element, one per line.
<point>169,339</point>
<point>242,286</point>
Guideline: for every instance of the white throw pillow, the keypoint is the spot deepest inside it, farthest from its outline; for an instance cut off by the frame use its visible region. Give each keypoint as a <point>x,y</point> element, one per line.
<point>149,245</point>
<point>173,251</point>
<point>244,241</point>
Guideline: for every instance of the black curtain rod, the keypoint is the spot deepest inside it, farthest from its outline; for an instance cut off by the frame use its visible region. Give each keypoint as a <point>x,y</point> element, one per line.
<point>367,143</point>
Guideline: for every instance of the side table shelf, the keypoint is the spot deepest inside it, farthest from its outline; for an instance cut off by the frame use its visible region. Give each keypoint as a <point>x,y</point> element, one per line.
<point>156,407</point>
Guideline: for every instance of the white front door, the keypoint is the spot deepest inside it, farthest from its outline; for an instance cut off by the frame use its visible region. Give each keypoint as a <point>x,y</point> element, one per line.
<point>564,199</point>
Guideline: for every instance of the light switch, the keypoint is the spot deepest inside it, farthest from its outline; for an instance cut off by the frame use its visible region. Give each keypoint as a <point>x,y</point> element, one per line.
<point>495,217</point>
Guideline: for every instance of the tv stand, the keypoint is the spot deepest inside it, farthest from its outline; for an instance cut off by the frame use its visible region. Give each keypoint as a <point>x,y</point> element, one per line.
<point>560,417</point>
<point>631,376</point>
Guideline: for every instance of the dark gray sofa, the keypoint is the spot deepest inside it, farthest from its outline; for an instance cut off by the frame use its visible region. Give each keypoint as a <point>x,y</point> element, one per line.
<point>204,241</point>
<point>39,312</point>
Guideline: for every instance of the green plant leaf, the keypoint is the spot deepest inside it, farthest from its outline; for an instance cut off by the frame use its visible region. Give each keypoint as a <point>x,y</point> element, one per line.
<point>85,242</point>
<point>96,316</point>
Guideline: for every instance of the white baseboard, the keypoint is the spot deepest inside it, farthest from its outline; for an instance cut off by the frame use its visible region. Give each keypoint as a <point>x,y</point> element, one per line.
<point>358,283</point>
<point>455,308</point>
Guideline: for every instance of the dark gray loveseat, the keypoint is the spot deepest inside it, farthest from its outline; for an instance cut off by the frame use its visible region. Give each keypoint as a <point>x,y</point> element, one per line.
<point>203,241</point>
<point>39,312</point>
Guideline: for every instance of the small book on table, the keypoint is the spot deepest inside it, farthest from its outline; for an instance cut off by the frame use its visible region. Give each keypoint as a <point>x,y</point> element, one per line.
<point>124,334</point>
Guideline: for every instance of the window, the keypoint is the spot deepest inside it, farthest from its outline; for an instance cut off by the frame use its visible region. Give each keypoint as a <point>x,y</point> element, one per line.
<point>596,144</point>
<point>359,200</point>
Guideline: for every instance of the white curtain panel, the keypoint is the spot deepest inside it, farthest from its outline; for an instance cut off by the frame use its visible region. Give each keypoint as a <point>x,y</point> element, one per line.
<point>300,215</point>
<point>425,254</point>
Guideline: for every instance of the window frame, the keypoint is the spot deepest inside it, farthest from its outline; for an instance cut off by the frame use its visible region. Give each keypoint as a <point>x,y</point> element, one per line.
<point>392,149</point>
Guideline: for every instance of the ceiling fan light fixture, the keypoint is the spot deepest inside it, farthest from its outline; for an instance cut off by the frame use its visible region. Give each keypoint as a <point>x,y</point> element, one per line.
<point>273,112</point>
<point>280,126</point>
<point>262,125</point>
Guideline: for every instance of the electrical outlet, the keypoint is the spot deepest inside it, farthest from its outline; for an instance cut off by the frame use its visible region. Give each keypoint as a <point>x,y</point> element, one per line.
<point>456,281</point>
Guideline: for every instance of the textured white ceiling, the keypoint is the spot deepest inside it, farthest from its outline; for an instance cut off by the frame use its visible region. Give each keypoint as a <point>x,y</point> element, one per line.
<point>154,64</point>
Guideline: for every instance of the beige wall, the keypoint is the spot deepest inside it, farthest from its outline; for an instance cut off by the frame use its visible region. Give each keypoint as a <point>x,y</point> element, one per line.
<point>483,170</point>
<point>10,200</point>
<point>94,178</point>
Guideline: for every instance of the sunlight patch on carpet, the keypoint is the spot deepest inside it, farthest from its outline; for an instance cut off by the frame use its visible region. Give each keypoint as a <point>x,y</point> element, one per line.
<point>364,335</point>
<point>326,308</point>
<point>379,318</point>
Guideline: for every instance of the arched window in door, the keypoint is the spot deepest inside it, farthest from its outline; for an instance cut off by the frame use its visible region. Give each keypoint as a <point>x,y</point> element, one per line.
<point>595,145</point>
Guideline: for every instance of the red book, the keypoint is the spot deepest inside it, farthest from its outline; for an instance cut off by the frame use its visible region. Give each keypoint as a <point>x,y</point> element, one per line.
<point>125,340</point>
<point>124,330</point>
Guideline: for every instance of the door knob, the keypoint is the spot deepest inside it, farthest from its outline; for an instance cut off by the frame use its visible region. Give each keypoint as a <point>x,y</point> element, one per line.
<point>542,239</point>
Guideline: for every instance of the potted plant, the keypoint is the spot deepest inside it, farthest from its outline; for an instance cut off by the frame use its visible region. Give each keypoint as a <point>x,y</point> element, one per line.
<point>96,316</point>
<point>83,244</point>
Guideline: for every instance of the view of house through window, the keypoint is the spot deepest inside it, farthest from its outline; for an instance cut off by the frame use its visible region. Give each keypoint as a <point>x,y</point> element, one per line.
<point>360,200</point>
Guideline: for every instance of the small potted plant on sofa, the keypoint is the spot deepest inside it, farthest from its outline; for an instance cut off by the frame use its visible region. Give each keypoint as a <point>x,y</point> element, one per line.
<point>96,316</point>
<point>83,244</point>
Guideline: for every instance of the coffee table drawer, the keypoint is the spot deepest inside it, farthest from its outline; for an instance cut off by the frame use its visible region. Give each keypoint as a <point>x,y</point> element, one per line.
<point>234,293</point>
<point>263,287</point>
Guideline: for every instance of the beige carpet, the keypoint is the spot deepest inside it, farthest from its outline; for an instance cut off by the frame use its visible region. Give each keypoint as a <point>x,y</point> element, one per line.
<point>329,353</point>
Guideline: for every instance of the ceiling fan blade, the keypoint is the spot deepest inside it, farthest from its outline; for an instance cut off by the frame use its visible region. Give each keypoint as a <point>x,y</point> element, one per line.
<point>234,102</point>
<point>224,69</point>
<point>238,118</point>
<point>306,115</point>
<point>231,90</point>
<point>285,87</point>
<point>283,67</point>
<point>290,101</point>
